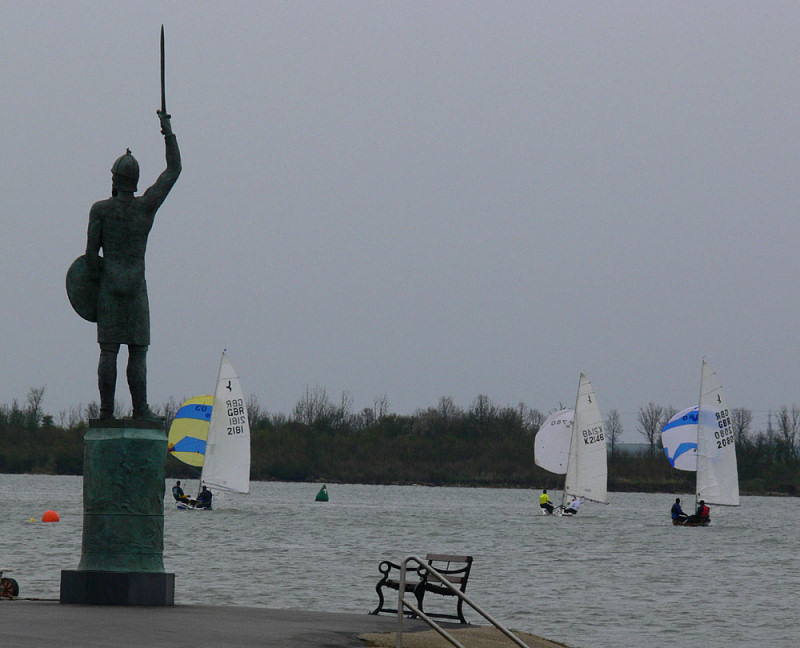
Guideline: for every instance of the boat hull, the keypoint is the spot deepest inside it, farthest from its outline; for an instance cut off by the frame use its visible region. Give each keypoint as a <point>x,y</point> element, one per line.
<point>188,507</point>
<point>698,523</point>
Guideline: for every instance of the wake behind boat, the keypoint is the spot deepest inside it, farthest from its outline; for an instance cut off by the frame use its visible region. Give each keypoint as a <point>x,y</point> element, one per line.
<point>213,433</point>
<point>701,439</point>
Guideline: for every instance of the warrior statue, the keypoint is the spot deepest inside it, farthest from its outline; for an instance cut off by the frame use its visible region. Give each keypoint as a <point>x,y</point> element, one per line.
<point>120,225</point>
<point>111,290</point>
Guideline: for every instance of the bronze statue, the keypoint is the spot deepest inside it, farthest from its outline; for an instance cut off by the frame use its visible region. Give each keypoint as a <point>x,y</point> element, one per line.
<point>120,226</point>
<point>111,290</point>
<point>124,461</point>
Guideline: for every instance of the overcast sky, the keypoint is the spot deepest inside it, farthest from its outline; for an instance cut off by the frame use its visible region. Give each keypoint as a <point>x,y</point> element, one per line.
<point>416,199</point>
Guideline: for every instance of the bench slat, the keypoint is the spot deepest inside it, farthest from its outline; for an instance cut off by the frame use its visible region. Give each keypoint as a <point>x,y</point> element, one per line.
<point>448,558</point>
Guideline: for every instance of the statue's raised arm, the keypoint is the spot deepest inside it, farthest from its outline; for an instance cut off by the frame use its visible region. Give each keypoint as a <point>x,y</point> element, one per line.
<point>157,193</point>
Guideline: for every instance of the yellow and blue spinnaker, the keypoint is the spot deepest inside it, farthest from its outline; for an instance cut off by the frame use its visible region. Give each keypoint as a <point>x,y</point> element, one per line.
<point>189,430</point>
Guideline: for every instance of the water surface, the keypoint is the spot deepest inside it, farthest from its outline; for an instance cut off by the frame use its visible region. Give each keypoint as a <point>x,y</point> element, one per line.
<point>617,575</point>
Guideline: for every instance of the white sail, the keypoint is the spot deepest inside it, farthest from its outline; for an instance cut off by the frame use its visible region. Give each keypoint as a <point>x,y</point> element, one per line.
<point>679,438</point>
<point>227,461</point>
<point>551,448</point>
<point>587,470</point>
<point>717,475</point>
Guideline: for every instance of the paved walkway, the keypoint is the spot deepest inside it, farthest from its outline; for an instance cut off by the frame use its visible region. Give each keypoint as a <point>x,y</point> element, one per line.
<point>45,624</point>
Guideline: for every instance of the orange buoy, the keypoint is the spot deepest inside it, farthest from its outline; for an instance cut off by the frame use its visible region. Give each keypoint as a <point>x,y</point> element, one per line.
<point>50,516</point>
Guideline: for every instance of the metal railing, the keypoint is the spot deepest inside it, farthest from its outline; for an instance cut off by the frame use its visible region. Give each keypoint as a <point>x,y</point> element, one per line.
<point>402,604</point>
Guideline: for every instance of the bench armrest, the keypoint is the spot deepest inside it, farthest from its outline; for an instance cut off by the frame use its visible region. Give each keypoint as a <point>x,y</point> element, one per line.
<point>386,566</point>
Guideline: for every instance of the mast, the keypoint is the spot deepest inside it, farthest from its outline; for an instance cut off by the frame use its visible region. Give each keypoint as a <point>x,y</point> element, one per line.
<point>209,440</point>
<point>573,454</point>
<point>699,436</point>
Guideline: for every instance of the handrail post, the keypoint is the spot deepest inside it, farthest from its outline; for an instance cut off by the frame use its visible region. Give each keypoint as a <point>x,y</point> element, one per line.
<point>400,602</point>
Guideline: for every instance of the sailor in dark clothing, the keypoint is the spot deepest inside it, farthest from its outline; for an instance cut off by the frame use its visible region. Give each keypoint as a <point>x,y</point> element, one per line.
<point>677,511</point>
<point>702,515</point>
<point>703,512</point>
<point>204,498</point>
<point>178,494</point>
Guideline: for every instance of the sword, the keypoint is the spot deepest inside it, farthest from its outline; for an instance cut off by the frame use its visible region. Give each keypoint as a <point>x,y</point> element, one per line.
<point>163,95</point>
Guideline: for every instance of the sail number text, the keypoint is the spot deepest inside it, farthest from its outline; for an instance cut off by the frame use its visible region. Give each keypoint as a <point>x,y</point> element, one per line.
<point>593,435</point>
<point>724,432</point>
<point>237,416</point>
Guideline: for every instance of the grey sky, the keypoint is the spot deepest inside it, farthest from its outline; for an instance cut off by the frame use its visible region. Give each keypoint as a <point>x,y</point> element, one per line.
<point>417,199</point>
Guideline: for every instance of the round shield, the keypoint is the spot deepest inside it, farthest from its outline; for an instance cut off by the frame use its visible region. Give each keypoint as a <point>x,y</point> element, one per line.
<point>82,289</point>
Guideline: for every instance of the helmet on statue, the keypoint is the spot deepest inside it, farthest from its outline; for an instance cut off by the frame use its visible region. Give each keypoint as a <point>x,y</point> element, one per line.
<point>125,172</point>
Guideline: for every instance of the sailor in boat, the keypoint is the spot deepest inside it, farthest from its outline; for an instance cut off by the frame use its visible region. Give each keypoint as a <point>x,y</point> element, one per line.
<point>677,511</point>
<point>702,515</point>
<point>178,494</point>
<point>204,499</point>
<point>573,506</point>
<point>544,503</point>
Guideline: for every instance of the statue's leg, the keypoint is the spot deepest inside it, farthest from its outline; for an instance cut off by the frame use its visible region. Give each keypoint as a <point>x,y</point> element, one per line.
<point>137,380</point>
<point>107,379</point>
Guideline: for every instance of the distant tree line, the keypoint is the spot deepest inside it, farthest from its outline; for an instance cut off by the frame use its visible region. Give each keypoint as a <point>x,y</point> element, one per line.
<point>483,445</point>
<point>768,460</point>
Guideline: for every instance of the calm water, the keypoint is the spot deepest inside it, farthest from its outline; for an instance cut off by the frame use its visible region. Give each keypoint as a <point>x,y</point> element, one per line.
<point>621,574</point>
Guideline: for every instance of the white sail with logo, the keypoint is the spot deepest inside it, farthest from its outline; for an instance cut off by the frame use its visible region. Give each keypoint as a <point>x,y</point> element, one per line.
<point>717,474</point>
<point>587,472</point>
<point>551,448</point>
<point>227,457</point>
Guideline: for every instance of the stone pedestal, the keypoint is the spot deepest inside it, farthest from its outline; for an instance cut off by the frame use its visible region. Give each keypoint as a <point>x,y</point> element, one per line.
<point>117,588</point>
<point>123,517</point>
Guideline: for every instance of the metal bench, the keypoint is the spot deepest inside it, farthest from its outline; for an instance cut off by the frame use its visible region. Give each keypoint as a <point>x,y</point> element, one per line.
<point>455,568</point>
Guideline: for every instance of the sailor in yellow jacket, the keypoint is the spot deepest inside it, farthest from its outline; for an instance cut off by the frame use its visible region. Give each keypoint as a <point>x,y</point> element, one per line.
<point>544,502</point>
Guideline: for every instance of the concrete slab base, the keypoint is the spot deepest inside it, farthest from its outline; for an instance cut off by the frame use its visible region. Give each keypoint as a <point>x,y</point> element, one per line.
<point>117,588</point>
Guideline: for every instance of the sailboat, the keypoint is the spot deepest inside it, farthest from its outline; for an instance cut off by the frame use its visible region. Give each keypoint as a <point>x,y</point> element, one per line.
<point>214,433</point>
<point>573,442</point>
<point>701,439</point>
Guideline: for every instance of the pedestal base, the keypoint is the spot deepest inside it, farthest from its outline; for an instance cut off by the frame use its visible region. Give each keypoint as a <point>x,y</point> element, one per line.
<point>124,467</point>
<point>117,588</point>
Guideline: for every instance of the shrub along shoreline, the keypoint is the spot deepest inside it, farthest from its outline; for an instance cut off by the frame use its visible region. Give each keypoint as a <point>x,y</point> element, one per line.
<point>439,446</point>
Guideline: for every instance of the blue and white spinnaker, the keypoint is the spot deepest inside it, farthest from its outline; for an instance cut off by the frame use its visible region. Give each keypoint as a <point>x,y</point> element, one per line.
<point>679,438</point>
